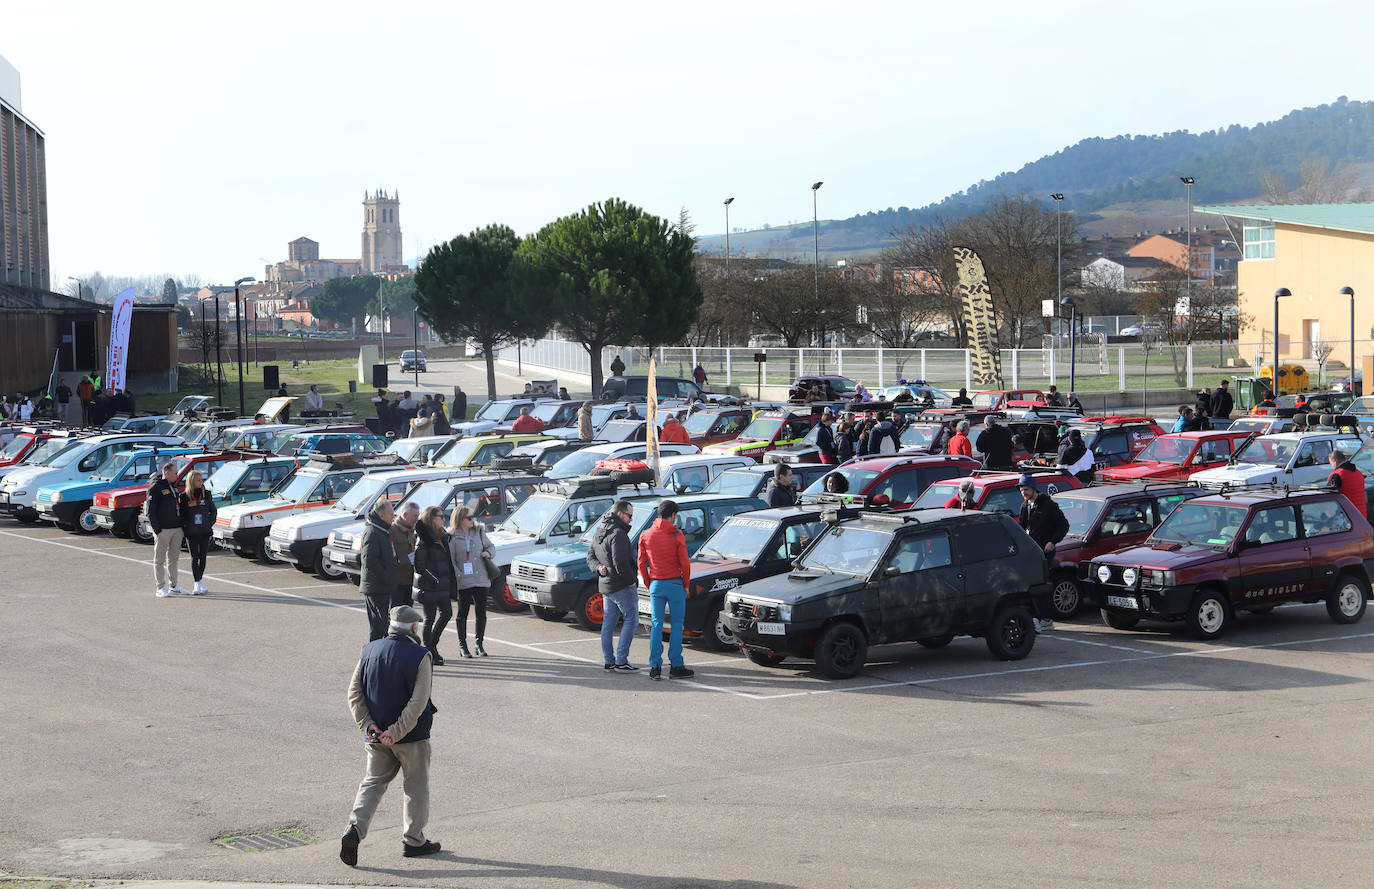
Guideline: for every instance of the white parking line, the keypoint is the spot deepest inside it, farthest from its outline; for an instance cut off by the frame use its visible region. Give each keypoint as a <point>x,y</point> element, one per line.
<point>588,638</point>
<point>1060,637</point>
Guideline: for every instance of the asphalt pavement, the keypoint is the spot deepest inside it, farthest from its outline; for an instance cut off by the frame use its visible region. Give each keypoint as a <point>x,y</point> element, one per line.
<point>144,730</point>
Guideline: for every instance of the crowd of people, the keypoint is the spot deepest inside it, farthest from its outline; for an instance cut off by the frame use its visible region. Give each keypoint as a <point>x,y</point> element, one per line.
<point>98,404</point>
<point>1210,405</point>
<point>406,417</point>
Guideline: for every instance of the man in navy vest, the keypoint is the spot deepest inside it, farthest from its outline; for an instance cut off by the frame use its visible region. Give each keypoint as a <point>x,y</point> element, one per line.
<point>389,697</point>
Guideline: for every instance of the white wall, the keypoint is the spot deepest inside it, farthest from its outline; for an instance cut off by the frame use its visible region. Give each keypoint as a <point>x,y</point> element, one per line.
<point>9,85</point>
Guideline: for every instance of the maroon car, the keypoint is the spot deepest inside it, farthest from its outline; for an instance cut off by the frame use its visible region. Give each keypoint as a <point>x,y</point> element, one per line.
<point>1250,551</point>
<point>896,482</point>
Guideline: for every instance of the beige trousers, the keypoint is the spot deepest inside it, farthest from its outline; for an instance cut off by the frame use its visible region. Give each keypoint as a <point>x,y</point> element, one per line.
<point>383,763</point>
<point>166,554</point>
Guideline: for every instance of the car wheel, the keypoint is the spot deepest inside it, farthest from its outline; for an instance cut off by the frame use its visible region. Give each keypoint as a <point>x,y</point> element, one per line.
<point>545,613</point>
<point>1011,636</point>
<point>27,516</point>
<point>503,600</point>
<point>327,570</point>
<point>1347,601</point>
<point>1066,597</point>
<point>141,531</point>
<point>1118,621</point>
<point>764,659</point>
<point>936,641</point>
<point>716,632</point>
<point>85,522</point>
<point>121,532</point>
<point>841,651</point>
<point>66,526</point>
<point>590,610</point>
<point>1209,616</point>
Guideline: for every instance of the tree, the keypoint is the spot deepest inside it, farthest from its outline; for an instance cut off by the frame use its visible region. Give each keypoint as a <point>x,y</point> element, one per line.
<point>1017,238</point>
<point>1319,182</point>
<point>466,288</point>
<point>169,291</point>
<point>343,300</point>
<point>399,296</point>
<point>926,254</point>
<point>610,274</point>
<point>897,315</point>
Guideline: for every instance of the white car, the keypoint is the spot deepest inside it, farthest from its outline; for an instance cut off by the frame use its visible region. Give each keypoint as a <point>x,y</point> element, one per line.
<point>493,414</point>
<point>1294,459</point>
<point>691,473</point>
<point>243,527</point>
<point>253,437</point>
<point>584,461</point>
<point>418,450</point>
<point>19,489</point>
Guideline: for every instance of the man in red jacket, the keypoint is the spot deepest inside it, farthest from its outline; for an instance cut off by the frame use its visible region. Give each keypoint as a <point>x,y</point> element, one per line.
<point>527,423</point>
<point>674,432</point>
<point>1347,478</point>
<point>665,569</point>
<point>959,443</point>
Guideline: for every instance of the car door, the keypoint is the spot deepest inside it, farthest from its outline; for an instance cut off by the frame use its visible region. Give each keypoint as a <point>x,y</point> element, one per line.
<point>920,591</point>
<point>140,469</point>
<point>577,517</point>
<point>981,549</point>
<point>1208,455</point>
<point>1124,523</point>
<point>1004,499</point>
<point>1310,464</point>
<point>1320,520</point>
<point>1275,561</point>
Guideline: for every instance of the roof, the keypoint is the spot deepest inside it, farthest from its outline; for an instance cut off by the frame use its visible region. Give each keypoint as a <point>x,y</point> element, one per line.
<point>1105,492</point>
<point>1336,217</point>
<point>30,299</point>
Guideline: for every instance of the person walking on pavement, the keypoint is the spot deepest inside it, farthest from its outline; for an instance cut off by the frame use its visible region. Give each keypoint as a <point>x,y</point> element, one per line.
<point>612,560</point>
<point>1222,402</point>
<point>584,422</point>
<point>441,424</point>
<point>378,568</point>
<point>994,443</point>
<point>64,399</point>
<point>403,543</point>
<point>699,374</point>
<point>781,491</point>
<point>1044,521</point>
<point>959,443</point>
<point>617,367</point>
<point>666,570</point>
<point>470,550</point>
<point>197,521</point>
<point>825,439</point>
<point>1347,478</point>
<point>460,405</point>
<point>435,583</point>
<point>164,514</point>
<point>389,697</point>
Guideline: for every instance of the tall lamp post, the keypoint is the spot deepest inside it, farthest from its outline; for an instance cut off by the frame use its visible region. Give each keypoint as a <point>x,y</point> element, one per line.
<point>1072,306</point>
<point>1350,292</point>
<point>238,337</point>
<point>415,344</point>
<point>1188,259</point>
<point>1274,381</point>
<point>816,239</point>
<point>728,202</point>
<point>1058,198</point>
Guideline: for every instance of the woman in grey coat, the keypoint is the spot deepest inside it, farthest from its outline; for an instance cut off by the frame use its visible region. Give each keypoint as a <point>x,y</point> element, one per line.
<point>469,546</point>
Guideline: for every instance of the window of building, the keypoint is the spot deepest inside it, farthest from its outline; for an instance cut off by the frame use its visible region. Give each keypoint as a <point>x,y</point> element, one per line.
<point>1259,239</point>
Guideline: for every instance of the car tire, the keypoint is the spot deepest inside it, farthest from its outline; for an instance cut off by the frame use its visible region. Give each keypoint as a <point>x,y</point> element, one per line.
<point>550,614</point>
<point>503,600</point>
<point>1066,597</point>
<point>715,630</point>
<point>141,532</point>
<point>1118,621</point>
<point>522,463</point>
<point>1346,603</point>
<point>66,526</point>
<point>1011,635</point>
<point>325,570</point>
<point>355,579</point>
<point>1209,615</point>
<point>841,651</point>
<point>27,516</point>
<point>936,641</point>
<point>85,522</point>
<point>764,659</point>
<point>590,610</point>
<point>632,476</point>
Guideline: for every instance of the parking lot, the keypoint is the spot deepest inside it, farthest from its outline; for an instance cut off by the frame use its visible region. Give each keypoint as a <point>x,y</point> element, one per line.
<point>149,728</point>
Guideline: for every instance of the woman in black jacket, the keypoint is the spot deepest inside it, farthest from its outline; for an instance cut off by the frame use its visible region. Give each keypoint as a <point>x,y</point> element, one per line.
<point>197,521</point>
<point>844,442</point>
<point>434,580</point>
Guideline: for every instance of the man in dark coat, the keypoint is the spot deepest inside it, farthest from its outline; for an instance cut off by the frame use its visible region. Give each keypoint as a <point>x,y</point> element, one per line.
<point>780,489</point>
<point>1222,402</point>
<point>962,399</point>
<point>617,367</point>
<point>995,445</point>
<point>378,569</point>
<point>460,405</point>
<point>612,558</point>
<point>1044,521</point>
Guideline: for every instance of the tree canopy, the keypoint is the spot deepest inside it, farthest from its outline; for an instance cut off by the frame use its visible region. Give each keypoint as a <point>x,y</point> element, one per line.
<point>345,299</point>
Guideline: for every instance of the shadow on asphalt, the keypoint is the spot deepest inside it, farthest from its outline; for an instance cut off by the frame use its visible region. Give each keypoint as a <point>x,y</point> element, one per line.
<point>473,868</point>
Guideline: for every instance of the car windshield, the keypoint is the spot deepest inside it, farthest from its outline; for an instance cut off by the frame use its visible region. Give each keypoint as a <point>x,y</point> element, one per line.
<point>68,456</point>
<point>762,429</point>
<point>222,439</point>
<point>858,479</point>
<point>1364,406</point>
<point>1080,511</point>
<point>1167,450</point>
<point>51,449</point>
<point>546,412</point>
<point>114,424</point>
<point>739,539</point>
<point>110,468</point>
<point>298,487</point>
<point>986,399</point>
<point>222,480</point>
<point>288,443</point>
<point>938,494</point>
<point>920,435</point>
<point>1256,424</point>
<point>495,411</point>
<point>841,384</point>
<point>405,448</point>
<point>699,423</point>
<point>534,514</point>
<point>1267,452</point>
<point>459,454</point>
<point>620,430</point>
<point>728,482</point>
<point>603,412</point>
<point>195,432</point>
<point>576,463</point>
<point>410,353</point>
<point>15,447</point>
<point>426,495</point>
<point>1202,524</point>
<point>358,495</point>
<point>847,549</point>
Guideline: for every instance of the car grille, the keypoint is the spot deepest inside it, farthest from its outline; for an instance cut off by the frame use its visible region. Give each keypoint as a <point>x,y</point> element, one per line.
<point>278,533</point>
<point>533,572</point>
<point>1114,579</point>
<point>523,587</point>
<point>44,496</point>
<point>756,610</point>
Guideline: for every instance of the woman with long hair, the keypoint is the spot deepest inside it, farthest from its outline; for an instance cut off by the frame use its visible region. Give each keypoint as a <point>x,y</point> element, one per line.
<point>197,522</point>
<point>469,549</point>
<point>434,580</point>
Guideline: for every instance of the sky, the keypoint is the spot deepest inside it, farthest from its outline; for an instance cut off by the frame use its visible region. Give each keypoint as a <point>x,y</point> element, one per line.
<point>201,138</point>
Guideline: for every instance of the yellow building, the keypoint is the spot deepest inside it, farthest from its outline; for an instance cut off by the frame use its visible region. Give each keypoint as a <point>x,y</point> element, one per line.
<point>1313,251</point>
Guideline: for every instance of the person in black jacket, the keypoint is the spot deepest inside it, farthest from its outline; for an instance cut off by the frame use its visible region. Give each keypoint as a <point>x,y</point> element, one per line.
<point>995,445</point>
<point>1044,521</point>
<point>844,442</point>
<point>612,559</point>
<point>164,514</point>
<point>825,438</point>
<point>781,491</point>
<point>435,583</point>
<point>377,582</point>
<point>1222,402</point>
<point>962,399</point>
<point>884,438</point>
<point>197,522</point>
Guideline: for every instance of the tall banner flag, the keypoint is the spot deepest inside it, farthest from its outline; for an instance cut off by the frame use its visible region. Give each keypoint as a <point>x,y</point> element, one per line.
<point>651,420</point>
<point>119,339</point>
<point>984,355</point>
<point>52,377</point>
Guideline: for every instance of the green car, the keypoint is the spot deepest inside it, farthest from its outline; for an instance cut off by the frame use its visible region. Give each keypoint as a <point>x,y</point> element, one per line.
<point>245,480</point>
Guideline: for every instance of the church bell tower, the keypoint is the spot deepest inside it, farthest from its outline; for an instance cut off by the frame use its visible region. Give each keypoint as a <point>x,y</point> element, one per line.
<point>381,231</point>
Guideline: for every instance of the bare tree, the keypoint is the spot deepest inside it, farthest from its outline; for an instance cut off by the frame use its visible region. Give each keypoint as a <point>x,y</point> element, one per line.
<point>1319,182</point>
<point>924,259</point>
<point>1016,236</point>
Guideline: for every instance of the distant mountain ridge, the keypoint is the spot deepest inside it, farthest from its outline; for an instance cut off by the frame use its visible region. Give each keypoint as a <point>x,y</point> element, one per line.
<point>1228,164</point>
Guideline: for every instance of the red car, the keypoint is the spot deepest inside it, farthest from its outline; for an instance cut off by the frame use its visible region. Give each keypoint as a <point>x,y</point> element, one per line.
<point>19,447</point>
<point>714,426</point>
<point>897,482</point>
<point>119,510</point>
<point>997,491</point>
<point>1117,440</point>
<point>1176,456</point>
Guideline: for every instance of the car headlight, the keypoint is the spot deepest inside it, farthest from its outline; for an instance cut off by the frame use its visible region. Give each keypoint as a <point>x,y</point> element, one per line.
<point>554,575</point>
<point>1129,576</point>
<point>1104,573</point>
<point>56,496</point>
<point>1155,577</point>
<point>235,522</point>
<point>294,534</point>
<point>784,612</point>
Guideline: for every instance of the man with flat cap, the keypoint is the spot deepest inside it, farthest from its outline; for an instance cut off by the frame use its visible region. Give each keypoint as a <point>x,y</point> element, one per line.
<point>389,697</point>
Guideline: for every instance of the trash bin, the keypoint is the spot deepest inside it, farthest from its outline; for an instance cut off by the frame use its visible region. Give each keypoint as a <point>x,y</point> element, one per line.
<point>352,385</point>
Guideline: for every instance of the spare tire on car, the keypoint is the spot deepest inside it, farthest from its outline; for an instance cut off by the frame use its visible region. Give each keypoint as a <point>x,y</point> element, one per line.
<point>517,463</point>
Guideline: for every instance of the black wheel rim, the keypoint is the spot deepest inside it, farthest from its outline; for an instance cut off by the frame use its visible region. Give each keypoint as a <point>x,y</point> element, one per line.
<point>843,650</point>
<point>1014,632</point>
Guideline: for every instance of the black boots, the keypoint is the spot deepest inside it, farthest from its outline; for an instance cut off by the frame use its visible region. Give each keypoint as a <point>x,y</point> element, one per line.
<point>463,647</point>
<point>481,652</point>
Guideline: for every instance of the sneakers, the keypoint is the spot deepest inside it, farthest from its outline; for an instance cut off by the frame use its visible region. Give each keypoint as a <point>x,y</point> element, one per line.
<point>179,591</point>
<point>655,673</point>
<point>681,673</point>
<point>626,667</point>
<point>198,589</point>
<point>1043,624</point>
<point>608,667</point>
<point>162,592</point>
<point>429,848</point>
<point>348,847</point>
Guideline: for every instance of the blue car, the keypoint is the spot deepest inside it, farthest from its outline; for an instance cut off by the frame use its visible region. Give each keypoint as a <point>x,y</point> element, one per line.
<point>69,503</point>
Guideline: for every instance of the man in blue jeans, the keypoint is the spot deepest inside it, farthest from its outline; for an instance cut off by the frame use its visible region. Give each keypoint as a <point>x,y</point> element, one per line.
<point>665,570</point>
<point>612,559</point>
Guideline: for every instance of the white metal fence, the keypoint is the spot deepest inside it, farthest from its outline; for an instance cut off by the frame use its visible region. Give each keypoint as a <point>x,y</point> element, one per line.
<point>1093,366</point>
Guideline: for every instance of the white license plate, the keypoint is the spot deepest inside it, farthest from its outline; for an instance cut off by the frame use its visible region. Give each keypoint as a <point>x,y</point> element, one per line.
<point>277,547</point>
<point>527,596</point>
<point>773,629</point>
<point>1122,602</point>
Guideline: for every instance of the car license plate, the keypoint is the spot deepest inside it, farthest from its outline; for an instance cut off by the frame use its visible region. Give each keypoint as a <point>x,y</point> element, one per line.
<point>1123,602</point>
<point>772,629</point>
<point>528,596</point>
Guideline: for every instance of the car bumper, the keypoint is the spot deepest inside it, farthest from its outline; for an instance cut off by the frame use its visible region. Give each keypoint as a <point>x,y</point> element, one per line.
<point>1167,603</point>
<point>64,512</point>
<point>114,519</point>
<point>299,552</point>
<point>561,596</point>
<point>242,540</point>
<point>346,560</point>
<point>776,637</point>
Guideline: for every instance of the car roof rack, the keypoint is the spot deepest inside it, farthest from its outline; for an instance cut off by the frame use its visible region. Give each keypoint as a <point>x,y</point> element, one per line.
<point>1336,421</point>
<point>356,460</point>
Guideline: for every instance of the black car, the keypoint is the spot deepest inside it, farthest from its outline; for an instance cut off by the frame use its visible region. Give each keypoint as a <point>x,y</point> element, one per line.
<point>924,576</point>
<point>635,388</point>
<point>752,481</point>
<point>749,546</point>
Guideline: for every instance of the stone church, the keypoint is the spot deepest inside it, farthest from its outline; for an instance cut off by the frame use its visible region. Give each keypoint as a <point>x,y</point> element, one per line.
<point>381,249</point>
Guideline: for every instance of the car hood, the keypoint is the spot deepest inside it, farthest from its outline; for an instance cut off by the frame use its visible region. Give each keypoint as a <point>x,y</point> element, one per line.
<point>350,530</point>
<point>1163,555</point>
<point>1137,470</point>
<point>716,575</point>
<point>471,427</point>
<point>316,519</point>
<point>508,538</point>
<point>1238,474</point>
<point>733,448</point>
<point>566,554</point>
<point>78,486</point>
<point>799,586</point>
<point>26,475</point>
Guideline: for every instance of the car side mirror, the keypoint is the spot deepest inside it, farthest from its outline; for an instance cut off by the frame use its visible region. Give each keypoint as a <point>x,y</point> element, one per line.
<point>892,571</point>
<point>881,500</point>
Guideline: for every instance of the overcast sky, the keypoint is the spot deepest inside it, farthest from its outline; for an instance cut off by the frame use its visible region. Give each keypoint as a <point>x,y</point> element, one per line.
<point>194,137</point>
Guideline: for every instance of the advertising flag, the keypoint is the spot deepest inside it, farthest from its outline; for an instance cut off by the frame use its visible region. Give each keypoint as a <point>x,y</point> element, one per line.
<point>651,423</point>
<point>119,339</point>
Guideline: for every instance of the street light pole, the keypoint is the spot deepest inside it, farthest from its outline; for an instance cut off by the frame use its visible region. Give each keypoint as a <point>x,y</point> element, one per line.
<point>1059,243</point>
<point>1073,340</point>
<point>1350,292</point>
<point>238,338</point>
<point>728,202</point>
<point>415,344</point>
<point>1188,259</point>
<point>816,238</point>
<point>1274,382</point>
<point>219,357</point>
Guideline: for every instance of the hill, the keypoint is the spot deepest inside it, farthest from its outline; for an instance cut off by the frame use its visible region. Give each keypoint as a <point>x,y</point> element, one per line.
<point>1118,184</point>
